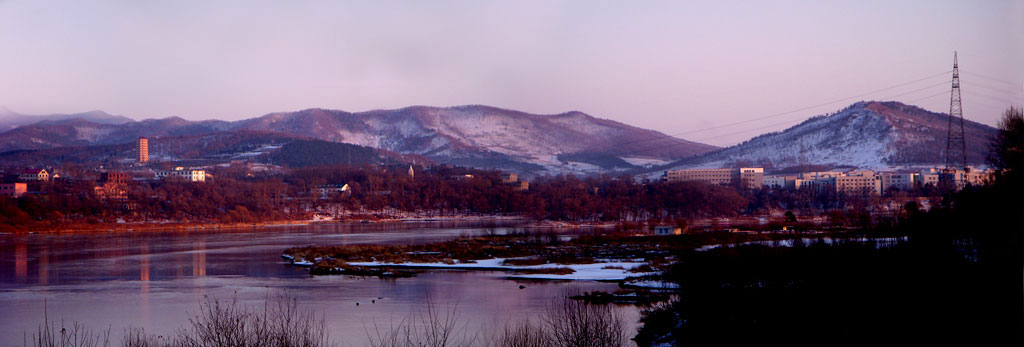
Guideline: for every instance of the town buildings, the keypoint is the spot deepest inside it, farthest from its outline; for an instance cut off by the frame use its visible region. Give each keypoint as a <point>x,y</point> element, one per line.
<point>509,178</point>
<point>779,182</point>
<point>34,175</point>
<point>901,181</point>
<point>325,191</point>
<point>13,190</point>
<point>744,177</point>
<point>187,174</point>
<point>513,179</point>
<point>874,183</point>
<point>115,177</point>
<point>859,183</point>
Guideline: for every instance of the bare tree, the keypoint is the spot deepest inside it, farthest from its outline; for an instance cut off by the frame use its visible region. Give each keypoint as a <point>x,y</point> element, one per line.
<point>524,334</point>
<point>575,323</point>
<point>281,323</point>
<point>432,328</point>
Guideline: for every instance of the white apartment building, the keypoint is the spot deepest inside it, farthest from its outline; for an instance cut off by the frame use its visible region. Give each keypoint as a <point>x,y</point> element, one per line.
<point>187,174</point>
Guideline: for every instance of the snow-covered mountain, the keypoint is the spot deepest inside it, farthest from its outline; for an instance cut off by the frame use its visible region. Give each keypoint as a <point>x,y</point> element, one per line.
<point>872,135</point>
<point>476,136</point>
<point>483,136</point>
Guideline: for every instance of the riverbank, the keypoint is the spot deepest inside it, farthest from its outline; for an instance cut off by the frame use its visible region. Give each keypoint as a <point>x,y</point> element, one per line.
<point>82,228</point>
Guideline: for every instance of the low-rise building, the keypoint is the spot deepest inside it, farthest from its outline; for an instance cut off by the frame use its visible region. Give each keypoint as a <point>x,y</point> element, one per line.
<point>509,178</point>
<point>744,176</point>
<point>978,177</point>
<point>816,183</point>
<point>709,176</point>
<point>859,183</point>
<point>779,182</point>
<point>820,174</point>
<point>929,177</point>
<point>901,181</point>
<point>13,190</point>
<point>34,175</point>
<point>461,177</point>
<point>667,230</point>
<point>326,190</point>
<point>115,177</point>
<point>750,177</point>
<point>112,186</point>
<point>187,174</point>
<point>111,191</point>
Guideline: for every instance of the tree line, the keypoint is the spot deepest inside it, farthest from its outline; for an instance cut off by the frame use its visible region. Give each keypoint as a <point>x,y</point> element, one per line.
<point>238,195</point>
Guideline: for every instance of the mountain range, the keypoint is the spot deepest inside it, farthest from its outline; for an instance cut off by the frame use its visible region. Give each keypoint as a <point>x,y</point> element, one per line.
<point>873,134</point>
<point>473,135</point>
<point>10,119</point>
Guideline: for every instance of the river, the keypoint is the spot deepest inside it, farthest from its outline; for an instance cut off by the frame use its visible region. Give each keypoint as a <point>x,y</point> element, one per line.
<point>155,280</point>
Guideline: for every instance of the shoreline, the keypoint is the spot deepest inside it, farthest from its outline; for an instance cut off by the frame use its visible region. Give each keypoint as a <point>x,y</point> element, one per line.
<point>737,223</point>
<point>196,226</point>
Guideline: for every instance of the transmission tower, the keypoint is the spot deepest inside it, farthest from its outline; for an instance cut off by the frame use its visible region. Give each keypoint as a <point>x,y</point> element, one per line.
<point>956,147</point>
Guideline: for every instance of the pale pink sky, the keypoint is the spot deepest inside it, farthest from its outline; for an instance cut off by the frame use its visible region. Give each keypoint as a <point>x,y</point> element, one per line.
<point>679,67</point>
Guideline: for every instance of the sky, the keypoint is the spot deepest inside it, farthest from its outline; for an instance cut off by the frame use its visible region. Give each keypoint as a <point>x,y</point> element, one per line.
<point>717,72</point>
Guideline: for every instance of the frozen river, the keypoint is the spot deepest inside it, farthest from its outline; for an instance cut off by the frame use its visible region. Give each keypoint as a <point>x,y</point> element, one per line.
<point>154,280</point>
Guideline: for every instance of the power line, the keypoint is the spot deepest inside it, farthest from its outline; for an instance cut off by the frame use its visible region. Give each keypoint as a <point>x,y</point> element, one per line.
<point>995,83</point>
<point>928,97</point>
<point>978,85</point>
<point>801,120</point>
<point>991,78</point>
<point>976,103</point>
<point>944,92</point>
<point>816,106</point>
<point>917,90</point>
<point>752,129</point>
<point>618,144</point>
<point>999,99</point>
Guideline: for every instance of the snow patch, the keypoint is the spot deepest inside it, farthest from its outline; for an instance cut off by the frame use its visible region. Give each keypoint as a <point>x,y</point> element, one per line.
<point>600,271</point>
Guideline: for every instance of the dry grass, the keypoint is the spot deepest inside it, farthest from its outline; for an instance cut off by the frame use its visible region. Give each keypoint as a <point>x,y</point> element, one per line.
<point>217,324</point>
<point>568,322</point>
<point>68,336</point>
<point>281,323</point>
<point>435,327</point>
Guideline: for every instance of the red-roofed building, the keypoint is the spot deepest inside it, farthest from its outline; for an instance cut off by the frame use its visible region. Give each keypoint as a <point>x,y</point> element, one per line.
<point>34,175</point>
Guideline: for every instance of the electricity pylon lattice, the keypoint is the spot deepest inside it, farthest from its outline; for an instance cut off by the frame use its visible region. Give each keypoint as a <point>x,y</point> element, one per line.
<point>956,147</point>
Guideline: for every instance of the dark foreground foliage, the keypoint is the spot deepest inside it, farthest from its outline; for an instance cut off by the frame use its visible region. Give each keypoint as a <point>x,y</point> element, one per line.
<point>958,280</point>
<point>280,323</point>
<point>564,322</point>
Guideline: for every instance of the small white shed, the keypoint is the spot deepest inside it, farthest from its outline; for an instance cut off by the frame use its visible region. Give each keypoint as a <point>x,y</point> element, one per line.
<point>667,230</point>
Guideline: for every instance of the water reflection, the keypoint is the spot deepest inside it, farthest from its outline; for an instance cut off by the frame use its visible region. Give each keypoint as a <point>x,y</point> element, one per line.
<point>154,279</point>
<point>21,262</point>
<point>144,263</point>
<point>199,259</point>
<point>44,266</point>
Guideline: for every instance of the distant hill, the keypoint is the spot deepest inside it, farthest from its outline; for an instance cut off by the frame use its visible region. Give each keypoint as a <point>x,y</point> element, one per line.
<point>475,136</point>
<point>865,134</point>
<point>80,132</point>
<point>207,148</point>
<point>10,119</point>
